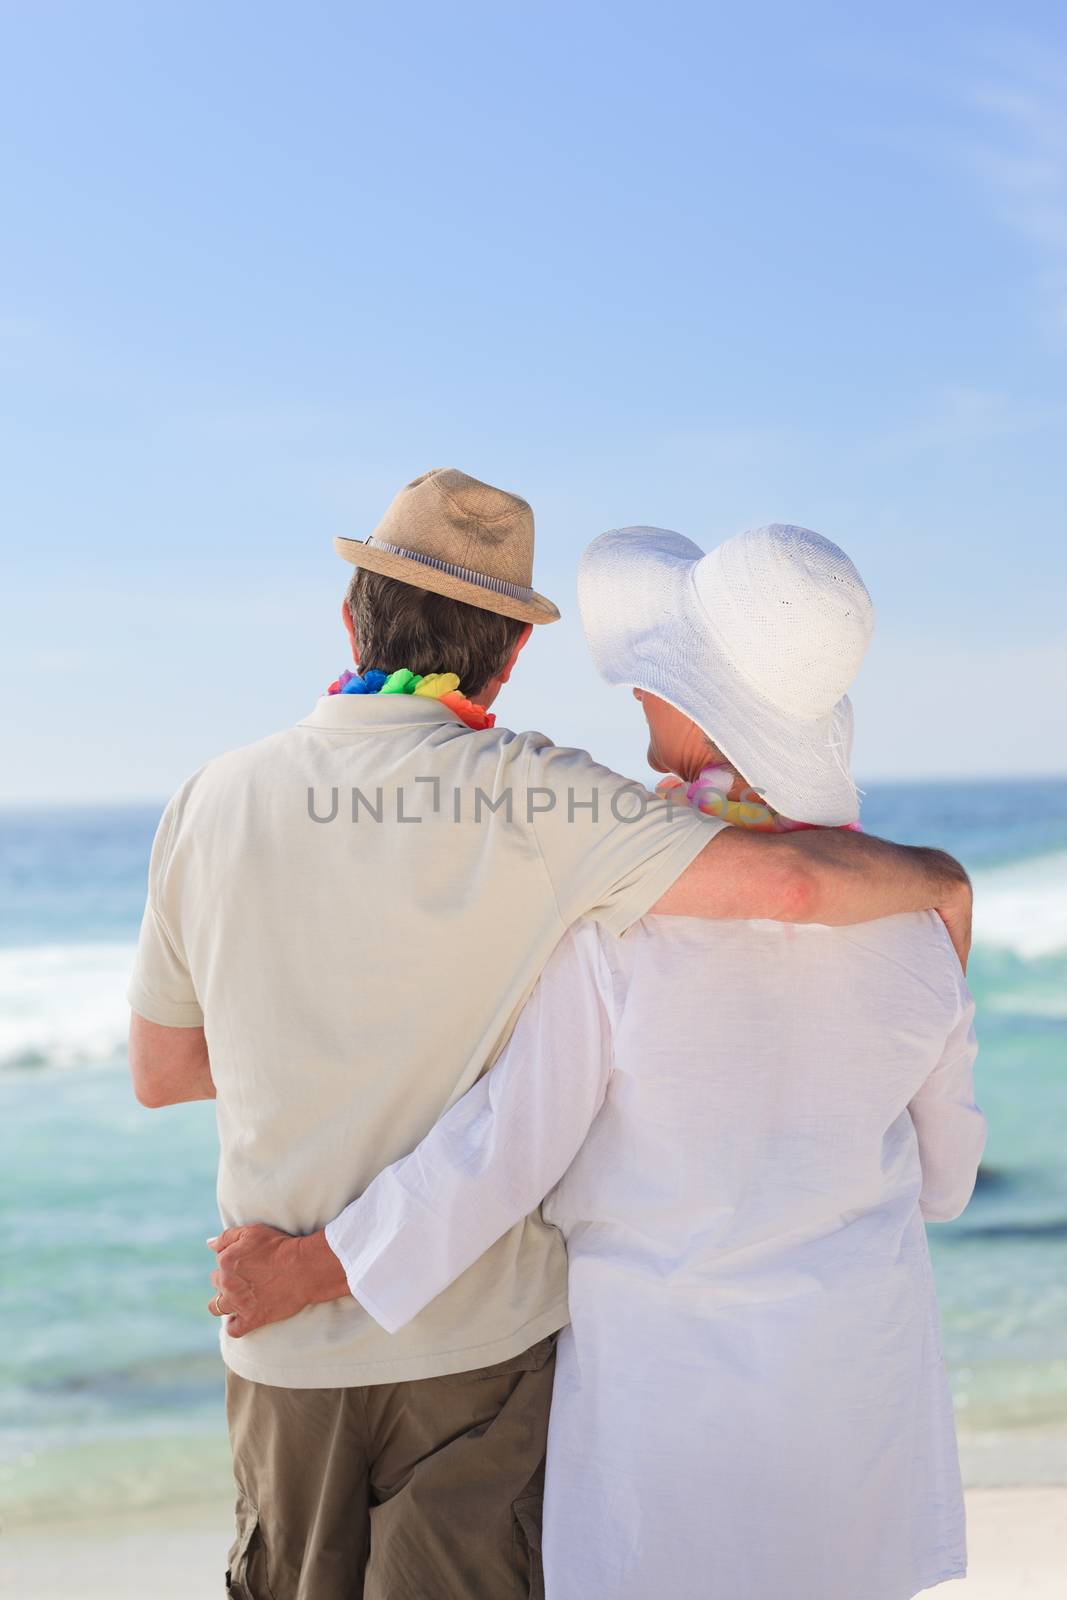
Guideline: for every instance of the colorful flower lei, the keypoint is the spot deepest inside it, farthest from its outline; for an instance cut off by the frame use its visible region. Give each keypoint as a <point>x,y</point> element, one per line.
<point>443,686</point>
<point>708,795</point>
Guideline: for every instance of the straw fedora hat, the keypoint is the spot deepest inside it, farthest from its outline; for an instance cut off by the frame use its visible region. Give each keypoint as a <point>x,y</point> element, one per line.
<point>757,642</point>
<point>458,537</point>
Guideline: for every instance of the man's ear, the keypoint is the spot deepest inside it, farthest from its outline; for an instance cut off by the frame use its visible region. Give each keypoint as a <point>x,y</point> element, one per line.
<point>514,656</point>
<point>346,618</point>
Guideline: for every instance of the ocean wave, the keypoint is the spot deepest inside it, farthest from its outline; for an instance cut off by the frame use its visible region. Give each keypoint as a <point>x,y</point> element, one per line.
<point>1022,906</point>
<point>63,1005</point>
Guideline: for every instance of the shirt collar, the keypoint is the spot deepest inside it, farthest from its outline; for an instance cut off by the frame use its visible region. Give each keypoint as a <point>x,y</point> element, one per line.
<point>369,713</point>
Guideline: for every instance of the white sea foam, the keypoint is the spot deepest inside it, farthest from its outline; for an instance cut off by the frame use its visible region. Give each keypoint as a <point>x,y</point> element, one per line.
<point>63,1004</point>
<point>1023,906</point>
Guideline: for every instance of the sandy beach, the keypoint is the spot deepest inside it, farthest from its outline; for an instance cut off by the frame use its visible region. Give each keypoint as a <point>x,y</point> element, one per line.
<point>1017,1538</point>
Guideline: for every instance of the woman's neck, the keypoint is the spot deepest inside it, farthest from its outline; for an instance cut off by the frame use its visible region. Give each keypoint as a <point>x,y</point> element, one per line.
<point>710,761</point>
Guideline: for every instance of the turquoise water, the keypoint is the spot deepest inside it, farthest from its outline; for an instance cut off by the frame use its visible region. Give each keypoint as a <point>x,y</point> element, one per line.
<point>110,1384</point>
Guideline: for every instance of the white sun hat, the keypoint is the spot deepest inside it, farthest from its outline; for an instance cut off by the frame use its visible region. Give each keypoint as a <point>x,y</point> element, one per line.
<point>756,641</point>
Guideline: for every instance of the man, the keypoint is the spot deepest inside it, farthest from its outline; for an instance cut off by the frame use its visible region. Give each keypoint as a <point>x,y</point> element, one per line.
<point>343,922</point>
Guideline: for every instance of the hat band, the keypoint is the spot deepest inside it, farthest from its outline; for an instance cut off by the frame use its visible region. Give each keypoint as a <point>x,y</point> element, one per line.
<point>481,580</point>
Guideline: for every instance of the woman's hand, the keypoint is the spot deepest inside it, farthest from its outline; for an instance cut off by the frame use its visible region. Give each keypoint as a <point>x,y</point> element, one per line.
<point>264,1276</point>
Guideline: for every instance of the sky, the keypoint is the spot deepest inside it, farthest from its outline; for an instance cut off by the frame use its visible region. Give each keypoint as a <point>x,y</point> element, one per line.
<point>700,266</point>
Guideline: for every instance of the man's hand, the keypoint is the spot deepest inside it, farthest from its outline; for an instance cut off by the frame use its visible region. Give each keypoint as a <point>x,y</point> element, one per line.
<point>956,910</point>
<point>265,1275</point>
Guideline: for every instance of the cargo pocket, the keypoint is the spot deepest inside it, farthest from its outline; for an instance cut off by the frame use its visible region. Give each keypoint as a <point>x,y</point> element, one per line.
<point>246,1573</point>
<point>527,1544</point>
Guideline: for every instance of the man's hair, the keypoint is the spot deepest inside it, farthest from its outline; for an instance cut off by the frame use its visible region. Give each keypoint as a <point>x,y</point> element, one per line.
<point>398,625</point>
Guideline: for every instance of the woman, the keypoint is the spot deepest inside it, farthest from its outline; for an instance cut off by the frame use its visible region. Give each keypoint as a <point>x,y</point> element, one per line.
<point>746,1124</point>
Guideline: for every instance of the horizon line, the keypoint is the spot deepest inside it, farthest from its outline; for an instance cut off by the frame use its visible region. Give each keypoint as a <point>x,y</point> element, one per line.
<point>985,780</point>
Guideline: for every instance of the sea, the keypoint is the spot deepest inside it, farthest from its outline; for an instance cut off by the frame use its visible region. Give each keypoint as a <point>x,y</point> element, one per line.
<point>110,1379</point>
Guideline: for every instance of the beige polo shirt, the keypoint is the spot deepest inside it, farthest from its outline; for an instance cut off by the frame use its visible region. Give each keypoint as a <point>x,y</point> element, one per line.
<point>356,909</point>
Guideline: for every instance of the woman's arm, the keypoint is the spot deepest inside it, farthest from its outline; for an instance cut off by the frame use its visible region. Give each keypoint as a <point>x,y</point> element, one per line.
<point>492,1159</point>
<point>485,1166</point>
<point>950,1127</point>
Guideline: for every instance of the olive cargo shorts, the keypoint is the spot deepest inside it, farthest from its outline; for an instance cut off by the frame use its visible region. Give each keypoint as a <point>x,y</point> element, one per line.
<point>427,1490</point>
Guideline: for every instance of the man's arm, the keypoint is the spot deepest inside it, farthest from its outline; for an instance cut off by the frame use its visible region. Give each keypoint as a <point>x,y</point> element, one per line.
<point>828,875</point>
<point>168,1065</point>
<point>484,1167</point>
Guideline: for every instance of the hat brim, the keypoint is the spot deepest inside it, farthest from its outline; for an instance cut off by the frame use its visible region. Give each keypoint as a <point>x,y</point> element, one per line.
<point>536,609</point>
<point>645,627</point>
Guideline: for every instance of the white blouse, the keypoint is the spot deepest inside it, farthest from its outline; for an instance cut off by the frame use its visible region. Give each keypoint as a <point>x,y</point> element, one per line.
<point>745,1124</point>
